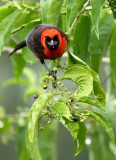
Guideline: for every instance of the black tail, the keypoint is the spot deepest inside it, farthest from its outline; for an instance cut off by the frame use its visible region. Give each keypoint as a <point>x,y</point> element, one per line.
<point>19,46</point>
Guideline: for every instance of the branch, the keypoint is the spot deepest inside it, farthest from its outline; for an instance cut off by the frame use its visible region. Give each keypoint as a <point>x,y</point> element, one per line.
<point>82,10</point>
<point>88,8</point>
<point>9,50</point>
<point>105,60</point>
<point>111,5</point>
<point>24,25</point>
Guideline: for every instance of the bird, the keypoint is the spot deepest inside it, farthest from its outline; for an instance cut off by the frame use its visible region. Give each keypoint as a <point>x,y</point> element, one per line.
<point>46,42</point>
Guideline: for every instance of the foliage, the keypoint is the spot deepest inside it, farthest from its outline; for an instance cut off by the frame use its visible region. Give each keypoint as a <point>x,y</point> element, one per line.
<point>91,29</point>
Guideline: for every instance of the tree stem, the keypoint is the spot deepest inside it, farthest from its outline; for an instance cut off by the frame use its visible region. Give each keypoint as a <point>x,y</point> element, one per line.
<point>82,10</point>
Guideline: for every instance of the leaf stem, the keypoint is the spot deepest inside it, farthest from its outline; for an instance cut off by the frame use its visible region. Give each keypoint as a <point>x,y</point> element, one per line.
<point>19,28</point>
<point>28,7</point>
<point>74,22</point>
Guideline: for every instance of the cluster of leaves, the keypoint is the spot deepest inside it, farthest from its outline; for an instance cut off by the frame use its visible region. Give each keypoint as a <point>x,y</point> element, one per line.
<point>89,34</point>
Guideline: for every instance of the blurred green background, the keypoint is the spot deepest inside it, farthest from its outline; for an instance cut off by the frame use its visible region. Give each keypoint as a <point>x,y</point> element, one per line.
<point>99,144</point>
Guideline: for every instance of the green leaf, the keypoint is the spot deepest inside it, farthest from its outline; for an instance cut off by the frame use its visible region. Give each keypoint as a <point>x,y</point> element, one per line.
<point>33,148</point>
<point>35,111</point>
<point>21,146</point>
<point>81,137</point>
<point>18,65</point>
<point>81,38</point>
<point>28,14</point>
<point>82,79</point>
<point>73,59</point>
<point>97,46</point>
<point>95,13</point>
<point>76,9</point>
<point>113,53</point>
<point>72,126</point>
<point>5,11</point>
<point>92,101</point>
<point>98,91</point>
<point>32,130</point>
<point>48,141</point>
<point>61,110</point>
<point>6,27</point>
<point>54,12</point>
<point>103,122</point>
<point>44,6</point>
<point>62,22</point>
<point>26,52</point>
<point>69,5</point>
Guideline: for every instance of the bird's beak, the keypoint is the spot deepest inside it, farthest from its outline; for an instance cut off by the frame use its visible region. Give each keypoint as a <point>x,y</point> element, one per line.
<point>52,42</point>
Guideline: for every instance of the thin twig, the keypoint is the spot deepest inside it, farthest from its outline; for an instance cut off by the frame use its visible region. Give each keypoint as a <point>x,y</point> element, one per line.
<point>19,28</point>
<point>9,50</point>
<point>89,8</point>
<point>24,25</point>
<point>28,7</point>
<point>82,10</point>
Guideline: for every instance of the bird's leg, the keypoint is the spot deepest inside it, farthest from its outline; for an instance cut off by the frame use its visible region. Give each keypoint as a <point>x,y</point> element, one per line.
<point>50,71</point>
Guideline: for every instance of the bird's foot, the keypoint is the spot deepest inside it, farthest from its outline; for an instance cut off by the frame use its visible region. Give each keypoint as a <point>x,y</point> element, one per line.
<point>52,73</point>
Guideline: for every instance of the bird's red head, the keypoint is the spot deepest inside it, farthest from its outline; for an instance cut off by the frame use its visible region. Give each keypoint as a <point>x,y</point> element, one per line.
<point>53,42</point>
<point>47,41</point>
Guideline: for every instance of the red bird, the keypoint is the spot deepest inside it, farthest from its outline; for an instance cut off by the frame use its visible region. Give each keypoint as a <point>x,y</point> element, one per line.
<point>46,42</point>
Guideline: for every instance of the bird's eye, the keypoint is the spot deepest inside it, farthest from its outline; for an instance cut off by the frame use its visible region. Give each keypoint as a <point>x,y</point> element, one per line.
<point>55,38</point>
<point>47,39</point>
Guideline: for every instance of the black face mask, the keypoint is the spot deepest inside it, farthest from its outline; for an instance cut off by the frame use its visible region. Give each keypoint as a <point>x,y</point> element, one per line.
<point>52,44</point>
